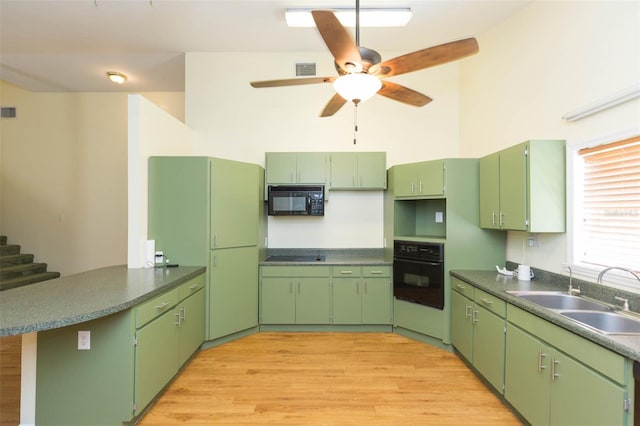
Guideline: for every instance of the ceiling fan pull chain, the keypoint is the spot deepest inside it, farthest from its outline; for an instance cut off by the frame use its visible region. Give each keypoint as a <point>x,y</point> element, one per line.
<point>355,122</point>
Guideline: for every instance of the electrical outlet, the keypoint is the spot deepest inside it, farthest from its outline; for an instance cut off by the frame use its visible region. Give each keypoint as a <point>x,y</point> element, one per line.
<point>84,340</point>
<point>533,241</point>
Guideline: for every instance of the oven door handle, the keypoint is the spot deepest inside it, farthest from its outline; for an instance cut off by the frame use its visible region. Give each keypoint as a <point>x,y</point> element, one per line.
<point>420,262</point>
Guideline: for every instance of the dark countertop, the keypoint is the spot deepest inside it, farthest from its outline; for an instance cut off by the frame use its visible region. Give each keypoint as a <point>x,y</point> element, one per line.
<point>332,257</point>
<point>497,285</point>
<point>85,296</point>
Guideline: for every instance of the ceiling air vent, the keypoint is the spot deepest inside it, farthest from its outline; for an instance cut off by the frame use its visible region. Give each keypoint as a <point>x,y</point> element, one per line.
<point>8,112</point>
<point>305,69</point>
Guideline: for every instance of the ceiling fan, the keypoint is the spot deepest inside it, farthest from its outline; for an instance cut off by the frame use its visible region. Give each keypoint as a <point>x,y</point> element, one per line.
<point>361,72</point>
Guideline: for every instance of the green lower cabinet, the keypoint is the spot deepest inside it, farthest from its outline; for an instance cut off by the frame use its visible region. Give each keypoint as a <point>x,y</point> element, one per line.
<point>313,301</point>
<point>547,386</point>
<point>489,346</point>
<point>362,295</point>
<point>278,301</point>
<point>294,298</point>
<point>233,291</point>
<point>192,317</point>
<point>478,331</point>
<point>377,296</point>
<point>347,301</point>
<point>461,326</point>
<point>156,357</point>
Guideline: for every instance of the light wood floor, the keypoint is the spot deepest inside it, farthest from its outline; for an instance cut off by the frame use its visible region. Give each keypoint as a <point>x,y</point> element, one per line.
<point>10,353</point>
<point>327,379</point>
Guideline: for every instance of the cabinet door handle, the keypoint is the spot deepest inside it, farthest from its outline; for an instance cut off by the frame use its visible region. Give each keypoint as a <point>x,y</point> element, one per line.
<point>376,272</point>
<point>183,313</point>
<point>467,311</point>
<point>193,287</point>
<point>420,190</point>
<point>501,219</point>
<point>346,272</point>
<point>541,356</point>
<point>554,374</point>
<point>474,317</point>
<point>162,305</point>
<point>460,287</point>
<point>177,314</point>
<point>493,218</point>
<point>214,261</point>
<point>413,187</point>
<point>486,301</point>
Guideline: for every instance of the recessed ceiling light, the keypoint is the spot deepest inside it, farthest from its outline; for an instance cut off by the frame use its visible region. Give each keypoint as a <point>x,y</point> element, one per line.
<point>116,77</point>
<point>390,17</point>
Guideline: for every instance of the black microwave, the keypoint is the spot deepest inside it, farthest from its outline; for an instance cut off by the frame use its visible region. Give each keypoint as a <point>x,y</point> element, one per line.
<point>296,200</point>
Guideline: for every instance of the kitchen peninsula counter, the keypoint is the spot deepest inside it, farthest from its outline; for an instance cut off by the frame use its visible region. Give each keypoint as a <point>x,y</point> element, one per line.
<point>84,296</point>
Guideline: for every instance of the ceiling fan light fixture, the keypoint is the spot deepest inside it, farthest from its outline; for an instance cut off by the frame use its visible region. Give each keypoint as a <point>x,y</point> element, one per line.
<point>357,87</point>
<point>116,77</point>
<point>382,17</point>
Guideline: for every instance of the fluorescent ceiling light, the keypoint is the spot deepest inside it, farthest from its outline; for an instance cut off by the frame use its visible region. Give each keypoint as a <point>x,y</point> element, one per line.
<point>396,17</point>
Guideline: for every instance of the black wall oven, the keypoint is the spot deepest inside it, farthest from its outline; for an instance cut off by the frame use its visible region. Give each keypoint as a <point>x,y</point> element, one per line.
<point>418,272</point>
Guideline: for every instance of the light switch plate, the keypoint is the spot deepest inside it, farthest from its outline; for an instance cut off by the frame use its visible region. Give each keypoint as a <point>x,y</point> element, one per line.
<point>439,217</point>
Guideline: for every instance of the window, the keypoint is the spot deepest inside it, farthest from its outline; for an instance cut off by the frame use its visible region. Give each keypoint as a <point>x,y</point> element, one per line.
<point>607,205</point>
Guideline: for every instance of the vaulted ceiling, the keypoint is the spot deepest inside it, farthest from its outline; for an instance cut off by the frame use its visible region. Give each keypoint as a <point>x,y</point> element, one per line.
<point>55,45</point>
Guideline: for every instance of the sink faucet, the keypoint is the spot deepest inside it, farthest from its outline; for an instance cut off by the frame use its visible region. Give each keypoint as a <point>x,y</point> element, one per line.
<point>605,270</point>
<point>572,291</point>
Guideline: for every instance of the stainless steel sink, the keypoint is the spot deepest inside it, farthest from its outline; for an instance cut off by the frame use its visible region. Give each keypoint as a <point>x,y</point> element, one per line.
<point>606,322</point>
<point>560,301</point>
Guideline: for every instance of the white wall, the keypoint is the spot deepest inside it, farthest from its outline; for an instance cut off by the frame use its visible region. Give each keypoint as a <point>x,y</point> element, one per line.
<point>151,131</point>
<point>551,58</point>
<point>232,120</point>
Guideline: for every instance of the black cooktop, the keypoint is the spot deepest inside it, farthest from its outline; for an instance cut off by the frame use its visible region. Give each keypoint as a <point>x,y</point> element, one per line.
<point>295,258</point>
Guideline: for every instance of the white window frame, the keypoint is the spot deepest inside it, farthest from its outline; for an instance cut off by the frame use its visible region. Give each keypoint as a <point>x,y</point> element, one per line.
<point>613,278</point>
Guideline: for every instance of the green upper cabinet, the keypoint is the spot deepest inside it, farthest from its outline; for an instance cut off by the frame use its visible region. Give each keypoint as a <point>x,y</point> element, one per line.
<point>523,187</point>
<point>425,179</point>
<point>358,170</point>
<point>234,209</point>
<point>201,203</point>
<point>296,167</point>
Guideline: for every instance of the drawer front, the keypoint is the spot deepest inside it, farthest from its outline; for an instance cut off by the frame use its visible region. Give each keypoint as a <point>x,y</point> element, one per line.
<point>346,271</point>
<point>295,271</point>
<point>191,286</point>
<point>156,306</point>
<point>376,271</point>
<point>462,287</point>
<point>492,303</point>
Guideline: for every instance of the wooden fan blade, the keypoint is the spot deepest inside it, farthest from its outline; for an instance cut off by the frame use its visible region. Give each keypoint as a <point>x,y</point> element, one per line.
<point>403,94</point>
<point>338,40</point>
<point>292,82</point>
<point>333,106</point>
<point>425,58</point>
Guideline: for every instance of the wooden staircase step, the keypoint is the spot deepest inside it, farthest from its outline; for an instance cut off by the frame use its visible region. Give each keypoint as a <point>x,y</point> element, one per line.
<point>16,259</point>
<point>9,249</point>
<point>12,271</point>
<point>27,279</point>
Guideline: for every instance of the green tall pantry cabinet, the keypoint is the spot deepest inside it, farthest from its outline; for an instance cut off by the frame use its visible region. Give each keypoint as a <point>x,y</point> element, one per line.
<point>206,211</point>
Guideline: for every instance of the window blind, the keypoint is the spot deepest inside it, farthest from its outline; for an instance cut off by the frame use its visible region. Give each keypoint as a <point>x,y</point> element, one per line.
<point>611,203</point>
